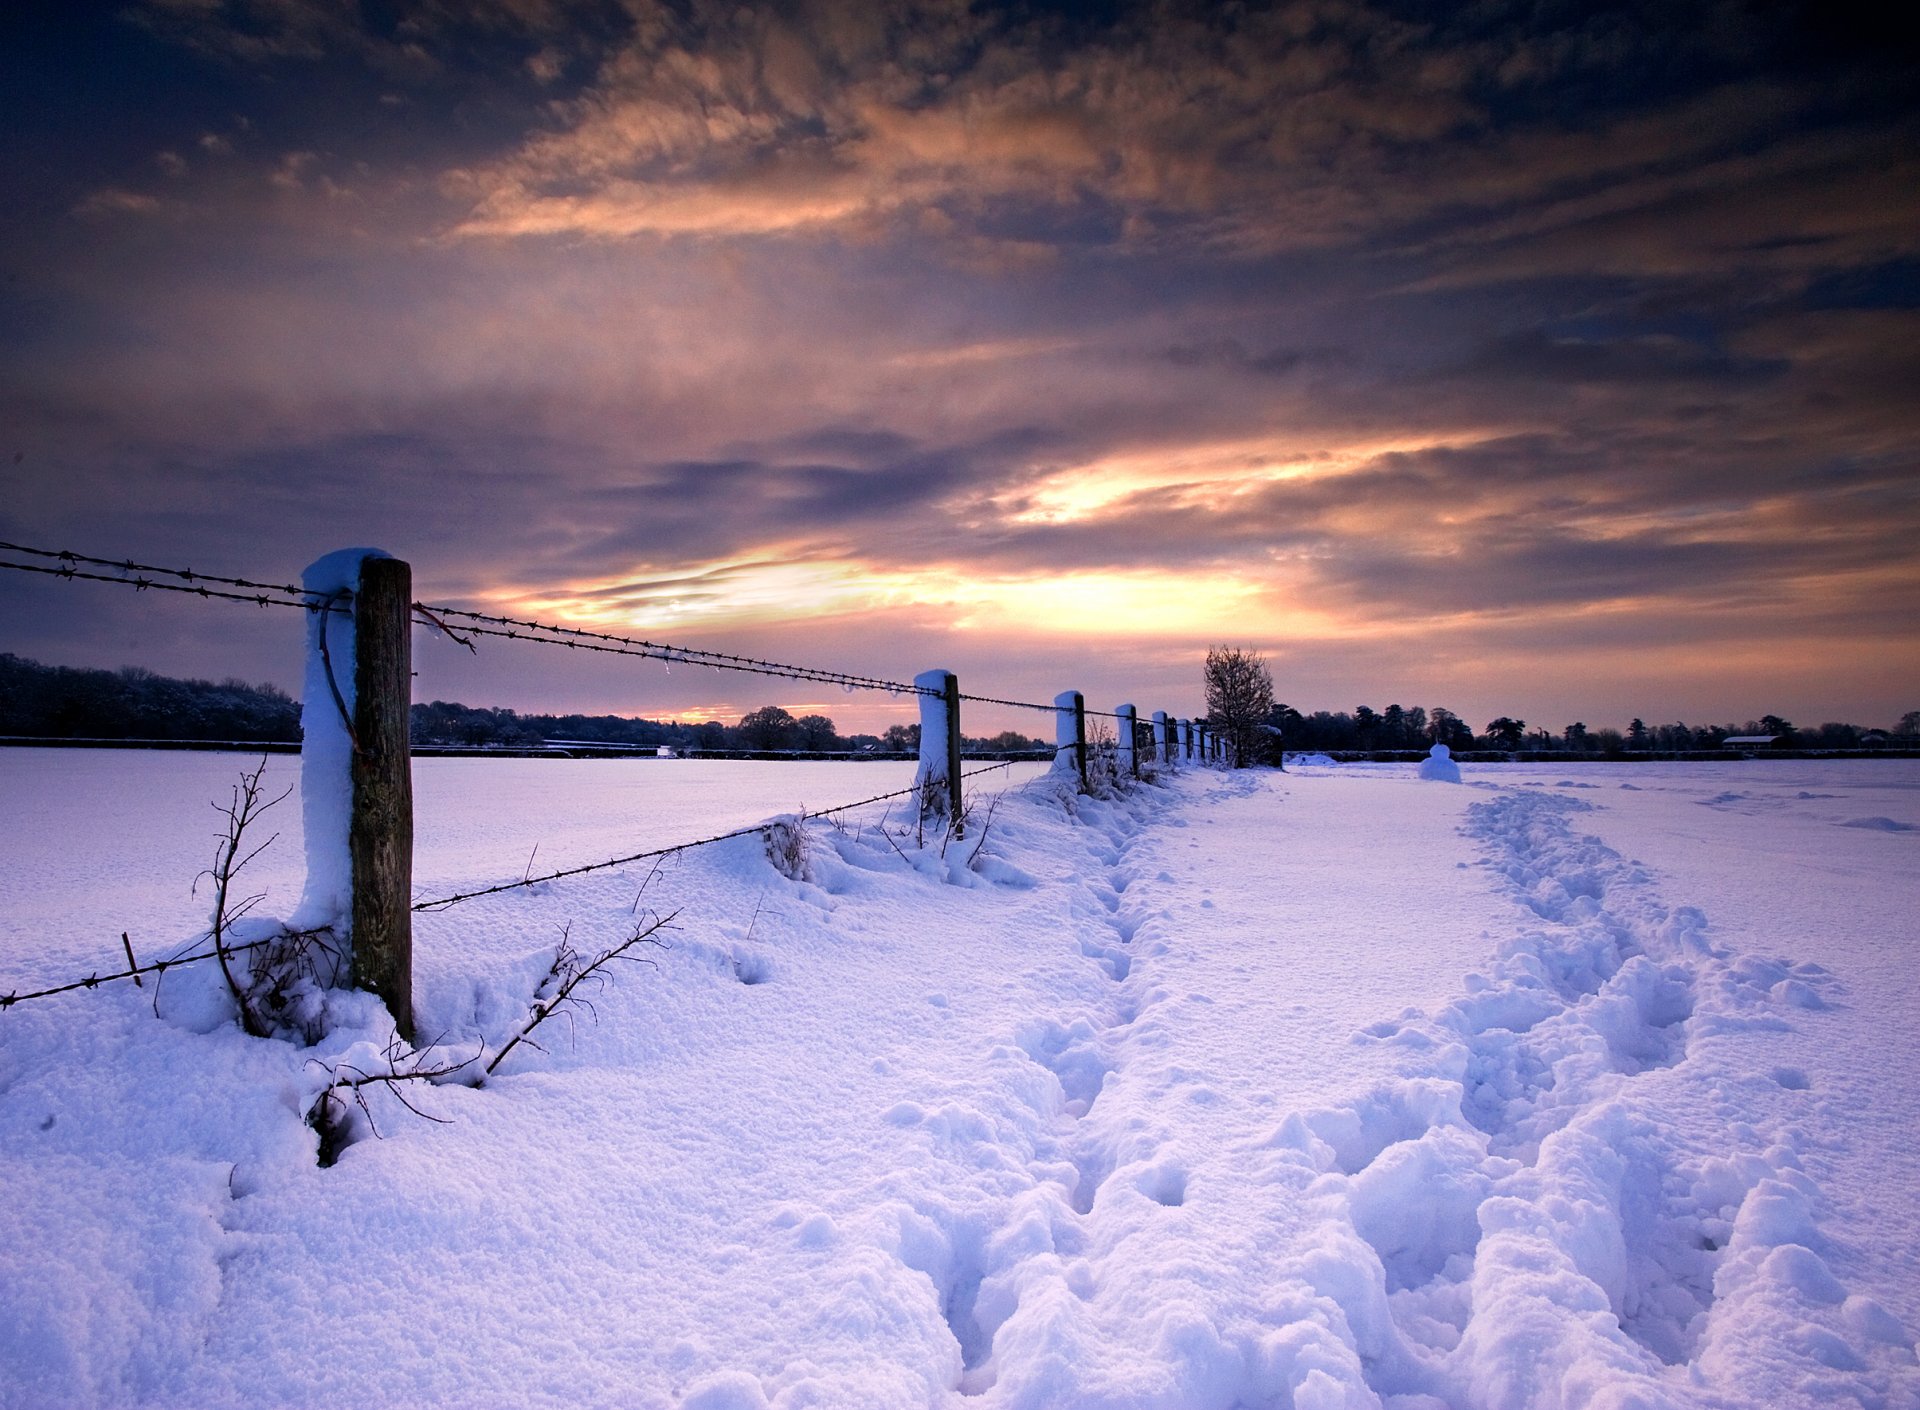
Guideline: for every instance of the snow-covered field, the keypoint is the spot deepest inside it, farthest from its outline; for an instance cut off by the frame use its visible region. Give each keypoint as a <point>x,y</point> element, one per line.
<point>1587,1086</point>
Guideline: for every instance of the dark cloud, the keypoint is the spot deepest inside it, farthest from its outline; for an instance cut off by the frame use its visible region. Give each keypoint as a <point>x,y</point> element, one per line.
<point>1539,326</point>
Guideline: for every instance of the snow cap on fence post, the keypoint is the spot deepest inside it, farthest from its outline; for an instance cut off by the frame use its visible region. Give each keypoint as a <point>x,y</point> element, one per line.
<point>1161,750</point>
<point>1127,732</point>
<point>356,790</point>
<point>938,777</point>
<point>1070,734</point>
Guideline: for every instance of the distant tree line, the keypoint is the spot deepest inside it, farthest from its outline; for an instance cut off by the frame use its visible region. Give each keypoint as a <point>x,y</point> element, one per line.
<point>66,702</point>
<point>771,728</point>
<point>1242,711</point>
<point>1413,727</point>
<point>134,703</point>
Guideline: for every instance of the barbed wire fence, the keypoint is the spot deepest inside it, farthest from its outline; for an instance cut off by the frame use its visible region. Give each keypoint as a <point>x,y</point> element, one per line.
<point>1171,740</point>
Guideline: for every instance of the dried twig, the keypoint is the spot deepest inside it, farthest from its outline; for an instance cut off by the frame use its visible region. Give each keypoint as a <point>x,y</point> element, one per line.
<point>567,973</point>
<point>329,1112</point>
<point>229,859</point>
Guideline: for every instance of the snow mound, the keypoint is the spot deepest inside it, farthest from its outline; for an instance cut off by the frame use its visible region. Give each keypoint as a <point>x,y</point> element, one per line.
<point>1438,766</point>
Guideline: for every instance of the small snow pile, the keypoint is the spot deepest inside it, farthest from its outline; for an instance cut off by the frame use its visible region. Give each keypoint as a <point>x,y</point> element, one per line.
<point>1439,766</point>
<point>1879,825</point>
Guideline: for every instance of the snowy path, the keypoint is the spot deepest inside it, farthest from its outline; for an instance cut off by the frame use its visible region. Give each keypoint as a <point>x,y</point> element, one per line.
<point>1255,1091</point>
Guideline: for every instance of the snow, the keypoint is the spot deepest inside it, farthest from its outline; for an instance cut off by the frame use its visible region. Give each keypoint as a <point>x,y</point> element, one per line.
<point>1236,1090</point>
<point>930,778</point>
<point>326,755</point>
<point>1438,766</point>
<point>1066,733</point>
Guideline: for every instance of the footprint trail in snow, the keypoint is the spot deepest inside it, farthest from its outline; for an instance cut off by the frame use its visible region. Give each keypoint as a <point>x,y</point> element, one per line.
<point>1555,1193</point>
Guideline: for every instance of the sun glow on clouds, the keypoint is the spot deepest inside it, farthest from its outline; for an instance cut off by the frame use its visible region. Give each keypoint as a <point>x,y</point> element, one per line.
<point>1150,602</point>
<point>1200,475</point>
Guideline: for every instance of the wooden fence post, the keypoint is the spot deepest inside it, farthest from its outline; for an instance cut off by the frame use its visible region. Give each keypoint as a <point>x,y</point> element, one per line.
<point>938,778</point>
<point>1161,751</point>
<point>1127,730</point>
<point>1070,732</point>
<point>380,830</point>
<point>953,749</point>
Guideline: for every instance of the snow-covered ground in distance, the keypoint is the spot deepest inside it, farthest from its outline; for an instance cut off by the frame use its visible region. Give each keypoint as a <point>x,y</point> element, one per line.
<point>100,841</point>
<point>1578,1086</point>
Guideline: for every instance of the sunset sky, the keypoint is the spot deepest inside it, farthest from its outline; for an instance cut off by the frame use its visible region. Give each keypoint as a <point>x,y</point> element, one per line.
<point>1534,360</point>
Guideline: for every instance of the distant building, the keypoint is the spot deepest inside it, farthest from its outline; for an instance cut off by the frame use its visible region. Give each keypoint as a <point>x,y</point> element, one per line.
<point>1751,741</point>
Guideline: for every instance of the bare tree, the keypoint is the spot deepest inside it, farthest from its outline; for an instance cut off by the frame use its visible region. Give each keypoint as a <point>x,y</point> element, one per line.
<point>1239,699</point>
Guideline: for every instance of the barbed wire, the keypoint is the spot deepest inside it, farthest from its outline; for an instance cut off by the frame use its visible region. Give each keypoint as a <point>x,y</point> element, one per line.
<point>445,901</point>
<point>96,979</point>
<point>1033,705</point>
<point>611,644</point>
<point>143,584</point>
<point>526,629</point>
<point>146,576</point>
<point>129,566</point>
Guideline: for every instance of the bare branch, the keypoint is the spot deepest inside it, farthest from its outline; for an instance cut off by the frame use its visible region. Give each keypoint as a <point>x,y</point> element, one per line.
<point>567,973</point>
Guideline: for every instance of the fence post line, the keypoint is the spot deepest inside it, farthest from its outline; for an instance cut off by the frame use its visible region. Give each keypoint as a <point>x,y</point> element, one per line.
<point>1127,731</point>
<point>380,828</point>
